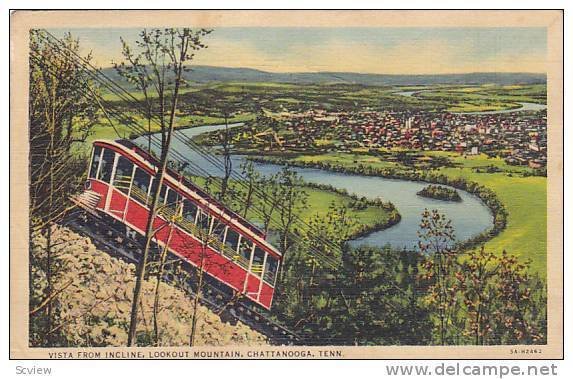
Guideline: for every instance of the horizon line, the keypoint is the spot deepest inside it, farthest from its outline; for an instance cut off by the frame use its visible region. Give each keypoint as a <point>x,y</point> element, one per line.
<point>366,73</point>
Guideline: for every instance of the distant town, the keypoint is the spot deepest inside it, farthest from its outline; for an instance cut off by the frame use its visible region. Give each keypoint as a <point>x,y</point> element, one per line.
<point>519,137</point>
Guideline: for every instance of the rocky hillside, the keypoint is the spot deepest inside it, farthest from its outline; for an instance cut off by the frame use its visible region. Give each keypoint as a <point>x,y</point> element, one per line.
<point>93,307</point>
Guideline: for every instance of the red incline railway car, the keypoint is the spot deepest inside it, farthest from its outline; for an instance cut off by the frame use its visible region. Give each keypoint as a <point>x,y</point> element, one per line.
<point>193,226</point>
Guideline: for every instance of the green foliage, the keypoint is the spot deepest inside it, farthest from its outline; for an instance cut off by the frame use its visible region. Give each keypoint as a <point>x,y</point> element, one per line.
<point>436,241</point>
<point>371,299</point>
<point>440,193</point>
<point>293,201</point>
<point>335,228</point>
<point>368,298</point>
<point>385,297</point>
<point>499,302</point>
<point>61,116</point>
<point>253,178</point>
<point>377,298</point>
<point>478,297</point>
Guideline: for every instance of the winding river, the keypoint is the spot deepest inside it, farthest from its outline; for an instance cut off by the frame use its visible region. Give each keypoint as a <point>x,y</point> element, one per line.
<point>469,217</point>
<point>524,106</point>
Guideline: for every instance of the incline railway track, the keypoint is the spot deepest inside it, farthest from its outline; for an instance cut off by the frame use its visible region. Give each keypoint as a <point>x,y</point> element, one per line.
<point>222,301</point>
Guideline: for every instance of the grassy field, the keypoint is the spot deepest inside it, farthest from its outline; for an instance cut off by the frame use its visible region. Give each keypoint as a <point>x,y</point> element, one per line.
<point>455,98</point>
<point>478,161</point>
<point>346,159</point>
<point>110,96</point>
<point>320,200</point>
<point>103,130</point>
<point>525,199</point>
<point>485,97</point>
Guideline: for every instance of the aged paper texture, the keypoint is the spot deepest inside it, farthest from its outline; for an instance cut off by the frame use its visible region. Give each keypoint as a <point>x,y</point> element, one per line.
<point>286,184</point>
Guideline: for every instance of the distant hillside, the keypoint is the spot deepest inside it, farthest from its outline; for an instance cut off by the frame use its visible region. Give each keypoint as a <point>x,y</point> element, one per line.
<point>205,74</point>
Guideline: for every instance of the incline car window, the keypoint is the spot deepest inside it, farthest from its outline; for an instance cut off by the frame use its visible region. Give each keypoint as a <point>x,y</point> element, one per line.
<point>258,259</point>
<point>172,197</point>
<point>95,162</point>
<point>245,250</point>
<point>106,165</point>
<point>122,177</point>
<point>270,269</point>
<point>162,194</point>
<point>232,240</point>
<point>204,221</point>
<point>140,185</point>
<point>218,230</point>
<point>189,211</point>
<point>170,209</point>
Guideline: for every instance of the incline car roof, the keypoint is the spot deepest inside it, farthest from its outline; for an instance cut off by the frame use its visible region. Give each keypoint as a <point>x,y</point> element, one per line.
<point>189,184</point>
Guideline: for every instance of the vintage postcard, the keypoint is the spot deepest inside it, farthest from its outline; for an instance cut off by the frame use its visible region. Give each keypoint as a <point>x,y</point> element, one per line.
<point>286,184</point>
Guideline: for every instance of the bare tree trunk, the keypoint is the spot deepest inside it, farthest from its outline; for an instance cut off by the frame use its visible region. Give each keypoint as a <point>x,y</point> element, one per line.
<point>157,285</point>
<point>49,280</point>
<point>248,201</point>
<point>442,299</point>
<point>49,276</point>
<point>285,246</point>
<point>250,189</point>
<point>149,234</point>
<point>153,212</point>
<point>149,132</point>
<point>227,161</point>
<point>172,45</point>
<point>197,296</point>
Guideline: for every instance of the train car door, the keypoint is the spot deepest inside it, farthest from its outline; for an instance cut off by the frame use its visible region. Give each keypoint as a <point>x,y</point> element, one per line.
<point>254,276</point>
<point>121,185</point>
